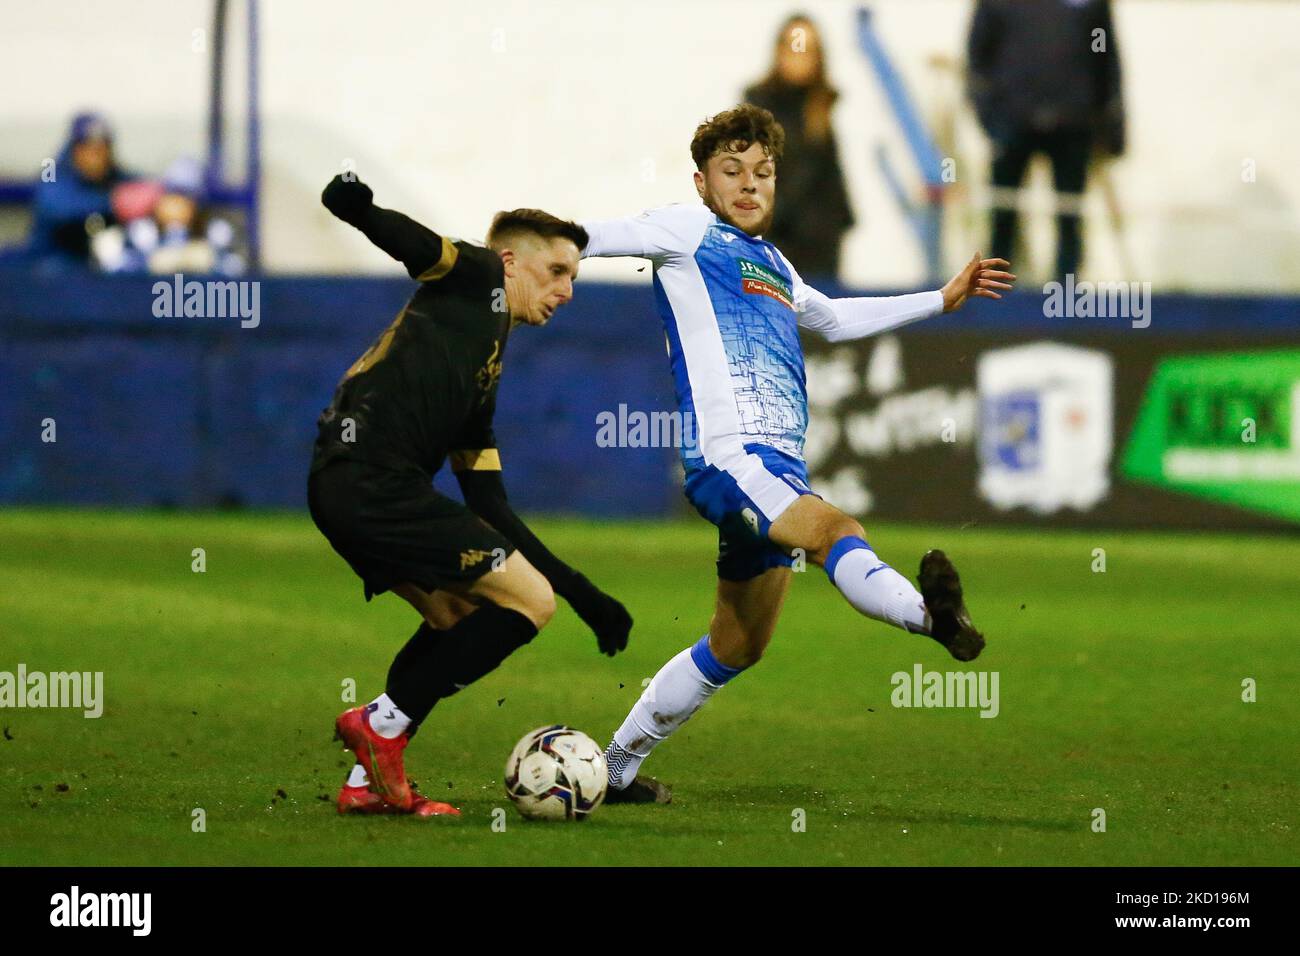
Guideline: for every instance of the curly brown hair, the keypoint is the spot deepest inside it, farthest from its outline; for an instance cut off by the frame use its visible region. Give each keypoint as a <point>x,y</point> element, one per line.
<point>734,131</point>
<point>506,226</point>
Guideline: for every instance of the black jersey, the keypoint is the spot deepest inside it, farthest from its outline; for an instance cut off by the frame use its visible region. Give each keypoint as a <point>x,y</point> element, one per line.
<point>427,386</point>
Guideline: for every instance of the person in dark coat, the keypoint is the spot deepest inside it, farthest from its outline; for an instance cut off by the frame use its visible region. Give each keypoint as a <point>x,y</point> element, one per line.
<point>814,212</point>
<point>79,195</point>
<point>1044,77</point>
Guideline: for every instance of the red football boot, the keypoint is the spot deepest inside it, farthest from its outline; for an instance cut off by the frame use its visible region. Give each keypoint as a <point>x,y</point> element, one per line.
<point>362,800</point>
<point>381,756</point>
<point>424,807</point>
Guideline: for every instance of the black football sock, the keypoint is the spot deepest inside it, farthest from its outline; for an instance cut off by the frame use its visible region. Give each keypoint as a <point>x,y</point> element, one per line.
<point>417,649</point>
<point>436,664</point>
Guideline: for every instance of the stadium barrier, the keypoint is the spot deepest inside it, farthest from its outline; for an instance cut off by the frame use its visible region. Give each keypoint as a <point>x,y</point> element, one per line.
<point>1187,417</point>
<point>211,411</point>
<point>111,395</point>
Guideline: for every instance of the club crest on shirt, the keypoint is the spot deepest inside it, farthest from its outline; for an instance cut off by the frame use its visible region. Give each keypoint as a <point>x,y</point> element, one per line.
<point>760,280</point>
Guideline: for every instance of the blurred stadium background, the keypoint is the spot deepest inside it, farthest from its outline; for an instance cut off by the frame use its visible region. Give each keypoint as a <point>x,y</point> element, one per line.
<point>1005,415</point>
<point>587,109</point>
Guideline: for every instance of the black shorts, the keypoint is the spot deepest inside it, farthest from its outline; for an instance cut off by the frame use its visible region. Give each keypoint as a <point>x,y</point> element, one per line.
<point>393,528</point>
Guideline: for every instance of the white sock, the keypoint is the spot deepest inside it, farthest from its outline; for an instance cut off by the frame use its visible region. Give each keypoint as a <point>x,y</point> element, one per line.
<point>676,692</point>
<point>877,590</point>
<point>358,778</point>
<point>386,718</point>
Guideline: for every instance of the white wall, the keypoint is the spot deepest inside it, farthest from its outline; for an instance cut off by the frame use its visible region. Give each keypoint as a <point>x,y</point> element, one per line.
<point>586,107</point>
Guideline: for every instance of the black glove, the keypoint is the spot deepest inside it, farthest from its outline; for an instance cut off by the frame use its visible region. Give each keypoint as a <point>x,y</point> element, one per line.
<point>349,200</point>
<point>606,617</point>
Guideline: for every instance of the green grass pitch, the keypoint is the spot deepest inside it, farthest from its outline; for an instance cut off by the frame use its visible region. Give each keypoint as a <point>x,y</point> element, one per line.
<point>1119,690</point>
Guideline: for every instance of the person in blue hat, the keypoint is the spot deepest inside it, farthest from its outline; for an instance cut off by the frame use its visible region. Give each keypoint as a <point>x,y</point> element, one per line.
<point>74,201</point>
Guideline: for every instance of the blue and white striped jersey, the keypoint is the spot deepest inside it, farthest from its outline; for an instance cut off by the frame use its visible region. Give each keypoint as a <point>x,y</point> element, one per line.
<point>732,306</point>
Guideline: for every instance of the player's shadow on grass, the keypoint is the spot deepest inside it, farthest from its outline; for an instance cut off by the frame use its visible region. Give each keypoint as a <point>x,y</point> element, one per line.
<point>970,820</point>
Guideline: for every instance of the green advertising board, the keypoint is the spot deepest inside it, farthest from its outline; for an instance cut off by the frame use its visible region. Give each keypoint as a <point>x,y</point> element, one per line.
<point>1224,427</point>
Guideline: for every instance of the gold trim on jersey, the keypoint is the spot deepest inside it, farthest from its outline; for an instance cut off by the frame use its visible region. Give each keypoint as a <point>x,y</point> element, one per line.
<point>444,264</point>
<point>481,459</point>
<point>377,351</point>
<point>488,376</point>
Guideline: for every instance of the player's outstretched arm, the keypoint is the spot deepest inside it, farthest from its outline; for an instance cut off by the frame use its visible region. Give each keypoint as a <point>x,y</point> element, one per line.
<point>413,245</point>
<point>485,495</point>
<point>844,319</point>
<point>655,234</point>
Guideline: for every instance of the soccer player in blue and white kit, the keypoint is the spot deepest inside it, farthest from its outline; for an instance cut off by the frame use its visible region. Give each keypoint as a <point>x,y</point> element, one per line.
<point>732,306</point>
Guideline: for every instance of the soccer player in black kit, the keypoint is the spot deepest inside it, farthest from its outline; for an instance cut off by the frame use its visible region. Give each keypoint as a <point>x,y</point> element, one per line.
<point>425,391</point>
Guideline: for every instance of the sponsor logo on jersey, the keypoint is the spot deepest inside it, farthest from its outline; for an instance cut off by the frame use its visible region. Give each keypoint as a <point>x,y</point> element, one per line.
<point>756,279</point>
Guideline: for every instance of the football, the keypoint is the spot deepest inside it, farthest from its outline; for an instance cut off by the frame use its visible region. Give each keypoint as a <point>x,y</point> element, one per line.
<point>556,773</point>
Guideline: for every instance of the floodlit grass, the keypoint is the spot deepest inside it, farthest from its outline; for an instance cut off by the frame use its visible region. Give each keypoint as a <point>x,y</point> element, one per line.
<point>1119,690</point>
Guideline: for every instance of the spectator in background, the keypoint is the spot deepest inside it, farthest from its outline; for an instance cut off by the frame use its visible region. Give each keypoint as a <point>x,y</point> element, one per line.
<point>1045,78</point>
<point>166,229</point>
<point>814,212</point>
<point>76,202</point>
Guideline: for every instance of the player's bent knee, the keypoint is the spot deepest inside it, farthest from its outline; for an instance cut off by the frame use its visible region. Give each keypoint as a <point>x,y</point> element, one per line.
<point>518,586</point>
<point>536,599</point>
<point>848,529</point>
<point>446,610</point>
<point>542,605</point>
<point>535,602</point>
<point>836,530</point>
<point>813,527</point>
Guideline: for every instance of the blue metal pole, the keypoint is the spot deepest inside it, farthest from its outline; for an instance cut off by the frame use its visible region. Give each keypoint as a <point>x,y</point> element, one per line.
<point>254,144</point>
